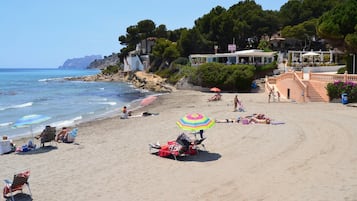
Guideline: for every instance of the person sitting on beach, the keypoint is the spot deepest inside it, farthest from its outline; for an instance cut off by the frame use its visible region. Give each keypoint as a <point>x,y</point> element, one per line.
<point>216,97</point>
<point>70,136</point>
<point>43,132</point>
<point>61,135</point>
<point>12,145</point>
<point>125,113</point>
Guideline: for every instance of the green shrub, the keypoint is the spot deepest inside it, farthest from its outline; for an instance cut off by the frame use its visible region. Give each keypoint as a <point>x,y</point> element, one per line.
<point>266,67</point>
<point>111,70</point>
<point>226,77</point>
<point>336,89</point>
<point>181,61</point>
<point>176,72</point>
<point>341,70</point>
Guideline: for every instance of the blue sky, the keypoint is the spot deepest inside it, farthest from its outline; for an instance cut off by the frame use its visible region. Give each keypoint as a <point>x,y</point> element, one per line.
<point>45,33</point>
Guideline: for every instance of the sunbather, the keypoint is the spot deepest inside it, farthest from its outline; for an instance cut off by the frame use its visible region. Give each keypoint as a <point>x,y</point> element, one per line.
<point>225,120</point>
<point>260,118</point>
<point>43,132</point>
<point>216,97</point>
<point>70,136</point>
<point>61,135</point>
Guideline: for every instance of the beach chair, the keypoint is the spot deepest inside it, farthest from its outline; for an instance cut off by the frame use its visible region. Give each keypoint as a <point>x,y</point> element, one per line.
<point>49,135</point>
<point>199,143</point>
<point>16,184</point>
<point>176,148</point>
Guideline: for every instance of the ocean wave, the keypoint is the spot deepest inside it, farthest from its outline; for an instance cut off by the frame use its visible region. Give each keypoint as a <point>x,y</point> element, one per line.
<point>107,103</point>
<point>5,124</point>
<point>29,104</point>
<point>68,122</point>
<point>51,79</point>
<point>98,99</point>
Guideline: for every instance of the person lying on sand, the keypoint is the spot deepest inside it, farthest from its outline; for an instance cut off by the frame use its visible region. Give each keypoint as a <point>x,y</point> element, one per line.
<point>144,114</point>
<point>226,120</point>
<point>260,118</point>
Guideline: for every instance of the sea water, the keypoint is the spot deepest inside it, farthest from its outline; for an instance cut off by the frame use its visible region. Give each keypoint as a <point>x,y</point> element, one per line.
<point>67,103</point>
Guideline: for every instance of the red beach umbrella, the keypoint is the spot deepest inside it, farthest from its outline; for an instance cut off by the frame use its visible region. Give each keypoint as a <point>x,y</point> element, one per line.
<point>215,89</point>
<point>148,100</point>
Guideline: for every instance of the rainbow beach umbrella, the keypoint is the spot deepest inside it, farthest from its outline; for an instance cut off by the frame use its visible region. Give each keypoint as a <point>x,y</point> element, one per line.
<point>194,122</point>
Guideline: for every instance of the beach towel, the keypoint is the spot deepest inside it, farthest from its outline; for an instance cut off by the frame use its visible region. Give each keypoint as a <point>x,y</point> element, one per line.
<point>277,123</point>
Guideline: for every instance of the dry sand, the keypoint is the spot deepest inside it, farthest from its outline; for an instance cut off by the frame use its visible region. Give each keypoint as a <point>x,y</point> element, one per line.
<point>312,157</point>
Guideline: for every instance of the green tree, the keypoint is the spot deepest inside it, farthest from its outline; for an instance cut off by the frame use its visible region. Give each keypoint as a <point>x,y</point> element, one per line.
<point>192,41</point>
<point>161,31</point>
<point>264,45</point>
<point>165,51</point>
<point>338,26</point>
<point>146,28</point>
<point>297,11</point>
<point>305,31</point>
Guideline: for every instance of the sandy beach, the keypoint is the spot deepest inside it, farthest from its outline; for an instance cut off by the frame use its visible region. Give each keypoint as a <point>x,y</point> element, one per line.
<point>311,157</point>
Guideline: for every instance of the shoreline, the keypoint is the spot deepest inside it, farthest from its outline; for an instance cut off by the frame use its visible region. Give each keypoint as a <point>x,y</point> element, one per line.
<point>312,156</point>
<point>134,106</point>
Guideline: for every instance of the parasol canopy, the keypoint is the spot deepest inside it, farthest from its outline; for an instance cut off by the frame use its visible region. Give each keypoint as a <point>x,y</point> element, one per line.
<point>29,120</point>
<point>308,54</point>
<point>194,122</point>
<point>215,89</point>
<point>148,100</point>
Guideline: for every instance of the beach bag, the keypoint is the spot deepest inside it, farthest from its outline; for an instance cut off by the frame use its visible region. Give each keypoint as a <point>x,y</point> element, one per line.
<point>245,121</point>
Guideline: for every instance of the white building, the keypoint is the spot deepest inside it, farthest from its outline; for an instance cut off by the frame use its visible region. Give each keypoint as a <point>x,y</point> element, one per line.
<point>256,57</point>
<point>136,62</point>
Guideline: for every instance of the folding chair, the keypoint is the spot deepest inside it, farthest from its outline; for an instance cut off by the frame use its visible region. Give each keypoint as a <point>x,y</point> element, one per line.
<point>49,135</point>
<point>16,184</point>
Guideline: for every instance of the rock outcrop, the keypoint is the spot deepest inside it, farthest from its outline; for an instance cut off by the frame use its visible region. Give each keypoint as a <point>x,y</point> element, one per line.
<point>139,79</point>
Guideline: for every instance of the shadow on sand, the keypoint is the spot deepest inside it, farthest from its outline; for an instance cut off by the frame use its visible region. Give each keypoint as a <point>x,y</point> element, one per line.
<point>39,150</point>
<point>202,156</point>
<point>20,197</point>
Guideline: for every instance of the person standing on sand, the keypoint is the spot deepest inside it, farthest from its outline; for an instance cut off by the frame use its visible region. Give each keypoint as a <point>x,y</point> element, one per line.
<point>278,94</point>
<point>235,103</point>
<point>271,93</point>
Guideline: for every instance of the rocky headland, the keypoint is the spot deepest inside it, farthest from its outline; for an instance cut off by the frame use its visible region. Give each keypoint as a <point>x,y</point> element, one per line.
<point>80,63</point>
<point>110,60</point>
